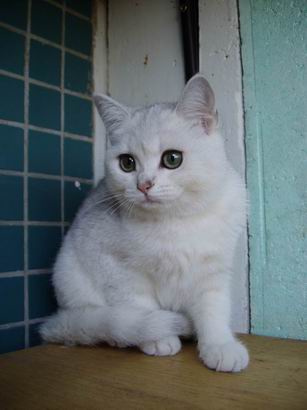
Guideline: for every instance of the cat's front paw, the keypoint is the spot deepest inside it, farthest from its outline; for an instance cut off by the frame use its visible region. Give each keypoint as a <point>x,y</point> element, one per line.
<point>164,347</point>
<point>228,357</point>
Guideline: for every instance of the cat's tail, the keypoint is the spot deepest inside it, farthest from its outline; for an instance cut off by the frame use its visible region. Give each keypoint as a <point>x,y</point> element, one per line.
<point>123,326</point>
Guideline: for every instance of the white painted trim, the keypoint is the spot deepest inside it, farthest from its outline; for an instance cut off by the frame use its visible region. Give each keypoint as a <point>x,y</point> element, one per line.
<point>100,72</point>
<point>220,62</point>
<point>145,51</point>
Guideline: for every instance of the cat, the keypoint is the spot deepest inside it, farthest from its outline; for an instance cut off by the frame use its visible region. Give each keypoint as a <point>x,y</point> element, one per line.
<point>148,257</point>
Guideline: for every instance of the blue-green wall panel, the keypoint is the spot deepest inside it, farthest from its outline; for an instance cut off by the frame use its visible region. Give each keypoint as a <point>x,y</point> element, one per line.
<point>38,202</point>
<point>274,53</point>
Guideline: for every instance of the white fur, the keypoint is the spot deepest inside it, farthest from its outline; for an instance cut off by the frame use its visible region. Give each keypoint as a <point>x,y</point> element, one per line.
<point>143,273</point>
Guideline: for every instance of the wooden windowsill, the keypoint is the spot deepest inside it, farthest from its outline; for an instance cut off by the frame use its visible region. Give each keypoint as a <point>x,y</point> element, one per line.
<point>72,378</point>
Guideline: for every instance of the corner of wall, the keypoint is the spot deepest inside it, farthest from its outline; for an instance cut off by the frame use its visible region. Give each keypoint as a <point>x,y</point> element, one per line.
<point>100,74</point>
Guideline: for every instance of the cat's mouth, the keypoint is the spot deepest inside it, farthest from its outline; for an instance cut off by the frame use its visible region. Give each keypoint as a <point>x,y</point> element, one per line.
<point>150,200</point>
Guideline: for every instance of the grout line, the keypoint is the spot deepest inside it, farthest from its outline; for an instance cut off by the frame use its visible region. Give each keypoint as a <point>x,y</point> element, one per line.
<point>45,41</point>
<point>56,88</point>
<point>23,323</point>
<point>45,176</point>
<point>46,85</point>
<point>66,178</point>
<point>78,54</point>
<point>43,84</point>
<point>41,129</point>
<point>12,123</point>
<point>92,106</point>
<point>62,118</point>
<point>71,11</point>
<point>26,137</point>
<point>40,271</point>
<point>12,325</point>
<point>37,320</point>
<point>12,28</point>
<point>12,75</point>
<point>32,223</point>
<point>78,137</point>
<point>47,130</point>
<point>14,274</point>
<point>77,94</point>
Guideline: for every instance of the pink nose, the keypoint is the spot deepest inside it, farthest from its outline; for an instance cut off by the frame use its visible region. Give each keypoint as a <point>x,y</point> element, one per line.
<point>145,186</point>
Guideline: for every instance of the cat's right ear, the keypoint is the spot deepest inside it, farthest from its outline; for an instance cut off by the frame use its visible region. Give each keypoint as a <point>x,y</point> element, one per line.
<point>113,114</point>
<point>197,102</point>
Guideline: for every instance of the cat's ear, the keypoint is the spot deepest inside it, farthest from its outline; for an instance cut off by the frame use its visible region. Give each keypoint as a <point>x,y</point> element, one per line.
<point>112,113</point>
<point>197,102</point>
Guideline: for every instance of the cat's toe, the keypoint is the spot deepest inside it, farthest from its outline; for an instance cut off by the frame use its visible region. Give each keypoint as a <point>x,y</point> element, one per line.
<point>228,357</point>
<point>164,347</point>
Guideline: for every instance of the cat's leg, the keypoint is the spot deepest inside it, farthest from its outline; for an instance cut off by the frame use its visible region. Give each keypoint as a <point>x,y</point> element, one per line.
<point>218,347</point>
<point>122,325</point>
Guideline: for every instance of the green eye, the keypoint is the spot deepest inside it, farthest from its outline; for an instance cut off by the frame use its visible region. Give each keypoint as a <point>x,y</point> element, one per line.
<point>171,159</point>
<point>127,162</point>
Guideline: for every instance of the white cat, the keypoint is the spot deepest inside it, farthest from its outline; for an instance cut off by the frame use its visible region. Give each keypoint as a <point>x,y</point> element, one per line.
<point>149,255</point>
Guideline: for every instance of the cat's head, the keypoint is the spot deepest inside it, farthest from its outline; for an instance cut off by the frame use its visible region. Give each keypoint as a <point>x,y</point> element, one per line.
<point>165,157</point>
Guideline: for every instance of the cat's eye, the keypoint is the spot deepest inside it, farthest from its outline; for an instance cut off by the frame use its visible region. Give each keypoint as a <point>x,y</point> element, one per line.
<point>171,159</point>
<point>127,162</point>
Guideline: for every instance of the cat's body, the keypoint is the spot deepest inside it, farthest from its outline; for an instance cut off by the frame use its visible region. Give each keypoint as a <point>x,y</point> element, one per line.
<point>142,266</point>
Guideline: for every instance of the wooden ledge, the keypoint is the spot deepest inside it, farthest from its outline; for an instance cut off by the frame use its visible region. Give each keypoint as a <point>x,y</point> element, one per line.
<point>72,378</point>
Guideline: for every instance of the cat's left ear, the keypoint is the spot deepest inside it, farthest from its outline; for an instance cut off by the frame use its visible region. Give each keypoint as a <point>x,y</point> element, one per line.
<point>112,112</point>
<point>197,102</point>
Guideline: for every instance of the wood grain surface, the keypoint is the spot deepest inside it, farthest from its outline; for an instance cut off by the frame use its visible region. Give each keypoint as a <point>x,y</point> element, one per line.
<point>57,377</point>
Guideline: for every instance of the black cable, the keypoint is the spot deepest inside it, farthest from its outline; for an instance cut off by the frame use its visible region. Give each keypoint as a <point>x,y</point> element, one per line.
<point>190,36</point>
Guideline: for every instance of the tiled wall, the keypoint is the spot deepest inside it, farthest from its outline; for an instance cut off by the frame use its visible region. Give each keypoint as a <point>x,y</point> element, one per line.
<point>46,160</point>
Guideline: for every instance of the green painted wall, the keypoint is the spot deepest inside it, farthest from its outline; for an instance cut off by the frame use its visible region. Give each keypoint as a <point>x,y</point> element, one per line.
<point>274,53</point>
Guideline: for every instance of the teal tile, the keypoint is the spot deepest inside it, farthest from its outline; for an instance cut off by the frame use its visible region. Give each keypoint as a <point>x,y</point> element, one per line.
<point>11,108</point>
<point>34,336</point>
<point>45,107</point>
<point>44,243</point>
<point>42,300</point>
<point>73,198</point>
<point>78,158</point>
<point>11,148</point>
<point>78,115</point>
<point>12,246</point>
<point>14,12</point>
<point>12,339</point>
<point>45,63</point>
<point>11,300</point>
<point>11,204</point>
<point>44,200</point>
<point>44,153</point>
<point>78,34</point>
<point>46,21</point>
<point>12,46</point>
<point>78,74</point>
<point>81,6</point>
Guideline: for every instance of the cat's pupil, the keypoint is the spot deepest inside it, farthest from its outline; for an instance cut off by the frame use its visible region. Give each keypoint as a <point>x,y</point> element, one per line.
<point>171,159</point>
<point>127,162</point>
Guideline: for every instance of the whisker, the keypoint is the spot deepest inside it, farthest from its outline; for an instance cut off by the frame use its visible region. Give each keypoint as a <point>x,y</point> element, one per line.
<point>131,208</point>
<point>112,206</point>
<point>124,203</point>
<point>104,199</point>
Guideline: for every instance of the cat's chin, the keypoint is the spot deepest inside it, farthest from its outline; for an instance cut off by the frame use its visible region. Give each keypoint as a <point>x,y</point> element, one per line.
<point>150,200</point>
<point>150,203</point>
